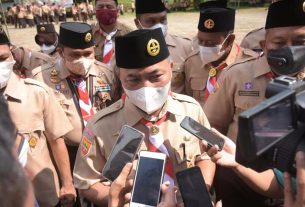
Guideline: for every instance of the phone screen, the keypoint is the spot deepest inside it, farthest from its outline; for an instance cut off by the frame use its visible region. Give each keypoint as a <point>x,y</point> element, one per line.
<point>123,151</point>
<point>148,179</point>
<point>201,132</point>
<point>193,188</point>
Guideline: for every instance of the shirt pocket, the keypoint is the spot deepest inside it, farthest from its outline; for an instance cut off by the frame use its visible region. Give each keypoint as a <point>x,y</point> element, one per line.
<point>198,87</point>
<point>178,74</point>
<point>36,139</point>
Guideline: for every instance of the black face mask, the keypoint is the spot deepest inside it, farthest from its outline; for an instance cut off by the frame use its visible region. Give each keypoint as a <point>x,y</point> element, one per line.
<point>287,60</point>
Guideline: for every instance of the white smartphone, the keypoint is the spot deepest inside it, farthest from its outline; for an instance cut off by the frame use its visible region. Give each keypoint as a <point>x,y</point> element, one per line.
<point>148,180</point>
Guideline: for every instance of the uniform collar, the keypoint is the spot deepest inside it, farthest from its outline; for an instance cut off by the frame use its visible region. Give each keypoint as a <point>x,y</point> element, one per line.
<point>96,28</point>
<point>170,40</point>
<point>170,106</point>
<point>15,87</point>
<point>26,62</point>
<point>261,66</point>
<point>233,55</point>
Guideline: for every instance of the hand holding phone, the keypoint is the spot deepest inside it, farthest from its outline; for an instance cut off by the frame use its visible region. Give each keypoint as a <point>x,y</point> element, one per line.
<point>193,188</point>
<point>123,151</point>
<point>202,132</point>
<point>149,176</point>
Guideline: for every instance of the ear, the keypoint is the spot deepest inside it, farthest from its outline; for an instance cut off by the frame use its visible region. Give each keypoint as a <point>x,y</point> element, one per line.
<point>136,21</point>
<point>60,51</point>
<point>262,43</point>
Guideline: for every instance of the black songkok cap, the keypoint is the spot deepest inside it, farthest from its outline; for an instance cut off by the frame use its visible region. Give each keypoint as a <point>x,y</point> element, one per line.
<point>76,35</point>
<point>286,13</point>
<point>45,28</point>
<point>215,16</point>
<point>149,6</point>
<point>140,48</point>
<point>4,39</point>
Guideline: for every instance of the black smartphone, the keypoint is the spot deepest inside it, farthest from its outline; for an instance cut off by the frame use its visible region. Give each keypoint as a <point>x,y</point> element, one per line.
<point>202,132</point>
<point>124,151</point>
<point>193,188</point>
<point>149,176</point>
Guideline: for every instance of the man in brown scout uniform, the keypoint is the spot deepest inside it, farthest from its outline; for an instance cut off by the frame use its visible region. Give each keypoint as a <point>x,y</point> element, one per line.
<point>152,14</point>
<point>47,39</point>
<point>252,40</point>
<point>39,118</point>
<point>106,29</point>
<point>214,49</point>
<point>81,84</point>
<point>149,106</point>
<point>244,84</point>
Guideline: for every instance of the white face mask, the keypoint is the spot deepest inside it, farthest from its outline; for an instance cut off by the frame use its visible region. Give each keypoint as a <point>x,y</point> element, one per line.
<point>80,66</point>
<point>47,49</point>
<point>149,99</point>
<point>6,68</point>
<point>211,54</point>
<point>156,26</point>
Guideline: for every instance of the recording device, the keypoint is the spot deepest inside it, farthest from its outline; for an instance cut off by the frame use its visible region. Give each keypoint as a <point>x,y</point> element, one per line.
<point>149,177</point>
<point>193,188</point>
<point>201,132</point>
<point>271,132</point>
<point>123,151</point>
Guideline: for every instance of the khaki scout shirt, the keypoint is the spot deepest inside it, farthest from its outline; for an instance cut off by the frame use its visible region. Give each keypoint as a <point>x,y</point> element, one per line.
<point>252,39</point>
<point>38,117</point>
<point>197,73</point>
<point>102,131</point>
<point>242,86</point>
<point>100,81</point>
<point>31,60</point>
<point>99,40</point>
<point>179,49</point>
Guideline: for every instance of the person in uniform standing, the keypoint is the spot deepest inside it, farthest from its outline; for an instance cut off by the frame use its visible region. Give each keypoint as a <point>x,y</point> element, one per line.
<point>215,49</point>
<point>29,16</point>
<point>45,13</point>
<point>145,72</point>
<point>37,11</point>
<point>21,16</point>
<point>244,84</point>
<point>47,39</point>
<point>39,118</point>
<point>81,84</point>
<point>151,14</point>
<point>90,10</point>
<point>106,29</point>
<point>252,40</point>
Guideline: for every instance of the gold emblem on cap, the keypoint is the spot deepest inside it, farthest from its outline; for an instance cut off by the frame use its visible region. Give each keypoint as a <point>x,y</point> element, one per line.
<point>212,72</point>
<point>42,29</point>
<point>154,130</point>
<point>88,37</point>
<point>153,47</point>
<point>209,23</point>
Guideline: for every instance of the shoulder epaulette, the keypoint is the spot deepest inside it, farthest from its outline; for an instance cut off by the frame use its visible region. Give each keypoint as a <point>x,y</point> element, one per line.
<point>108,110</point>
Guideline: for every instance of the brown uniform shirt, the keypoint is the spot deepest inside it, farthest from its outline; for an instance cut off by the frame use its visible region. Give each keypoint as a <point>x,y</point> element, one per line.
<point>32,60</point>
<point>38,117</point>
<point>102,131</point>
<point>242,86</point>
<point>197,73</point>
<point>100,86</point>
<point>99,40</point>
<point>179,49</point>
<point>252,39</point>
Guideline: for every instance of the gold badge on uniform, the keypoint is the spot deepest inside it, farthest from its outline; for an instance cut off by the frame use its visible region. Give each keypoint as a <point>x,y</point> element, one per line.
<point>209,23</point>
<point>33,142</point>
<point>212,72</point>
<point>54,77</point>
<point>154,130</point>
<point>88,37</point>
<point>153,47</point>
<point>42,29</point>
